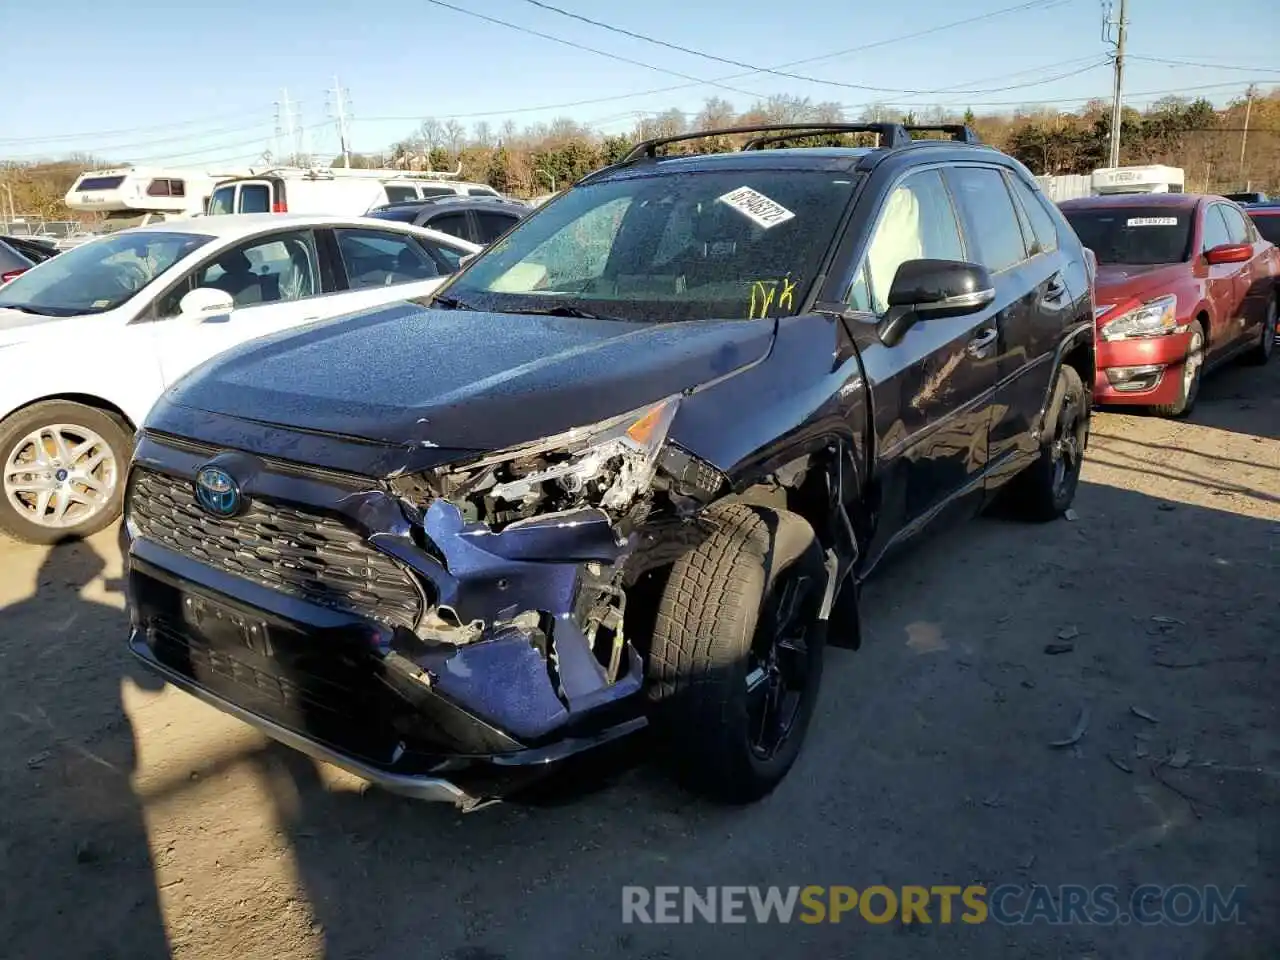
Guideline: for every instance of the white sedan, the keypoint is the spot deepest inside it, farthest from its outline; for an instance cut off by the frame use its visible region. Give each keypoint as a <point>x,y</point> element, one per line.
<point>90,339</point>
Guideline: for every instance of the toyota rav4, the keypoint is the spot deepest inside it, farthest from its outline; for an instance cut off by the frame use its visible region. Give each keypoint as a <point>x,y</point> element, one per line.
<point>627,469</point>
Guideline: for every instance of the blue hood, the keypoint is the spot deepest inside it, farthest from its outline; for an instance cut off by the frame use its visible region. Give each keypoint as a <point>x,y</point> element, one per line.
<point>464,380</point>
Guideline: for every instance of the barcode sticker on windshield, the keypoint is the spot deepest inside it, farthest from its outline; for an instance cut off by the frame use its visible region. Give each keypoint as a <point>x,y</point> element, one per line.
<point>1153,221</point>
<point>756,207</point>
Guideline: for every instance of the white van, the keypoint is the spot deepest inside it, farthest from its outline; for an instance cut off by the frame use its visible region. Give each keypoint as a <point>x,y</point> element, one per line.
<point>339,192</point>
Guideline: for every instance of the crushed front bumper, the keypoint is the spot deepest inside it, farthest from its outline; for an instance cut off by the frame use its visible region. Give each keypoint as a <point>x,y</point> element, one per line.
<point>300,617</point>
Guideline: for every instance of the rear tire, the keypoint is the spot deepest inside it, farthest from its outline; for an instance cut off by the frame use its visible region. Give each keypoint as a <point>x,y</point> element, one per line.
<point>1044,490</point>
<point>62,471</point>
<point>1190,387</point>
<point>1261,353</point>
<point>736,656</point>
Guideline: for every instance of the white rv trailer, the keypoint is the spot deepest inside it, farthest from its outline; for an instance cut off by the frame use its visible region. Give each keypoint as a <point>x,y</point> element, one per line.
<point>132,196</point>
<point>1151,179</point>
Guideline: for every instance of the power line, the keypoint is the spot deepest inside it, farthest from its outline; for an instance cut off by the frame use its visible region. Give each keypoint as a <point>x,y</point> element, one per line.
<point>1018,86</point>
<point>754,68</point>
<point>1170,91</point>
<point>143,144</point>
<point>298,132</point>
<point>1207,66</point>
<point>63,137</point>
<point>581,46</point>
<point>736,63</point>
<point>861,48</point>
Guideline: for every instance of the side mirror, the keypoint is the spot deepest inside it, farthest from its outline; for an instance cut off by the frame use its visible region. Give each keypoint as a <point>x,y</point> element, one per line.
<point>926,289</point>
<point>467,259</point>
<point>1229,253</point>
<point>203,302</point>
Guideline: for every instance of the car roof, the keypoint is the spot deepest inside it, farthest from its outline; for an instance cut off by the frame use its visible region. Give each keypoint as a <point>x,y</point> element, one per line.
<point>1267,207</point>
<point>1181,201</point>
<point>232,226</point>
<point>446,201</point>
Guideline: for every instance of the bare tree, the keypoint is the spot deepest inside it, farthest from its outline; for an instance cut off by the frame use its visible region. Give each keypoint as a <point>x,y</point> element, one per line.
<point>716,112</point>
<point>455,138</point>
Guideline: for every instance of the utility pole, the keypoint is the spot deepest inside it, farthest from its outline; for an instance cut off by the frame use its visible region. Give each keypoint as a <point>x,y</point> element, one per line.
<point>339,107</point>
<point>1244,136</point>
<point>1121,25</point>
<point>286,125</point>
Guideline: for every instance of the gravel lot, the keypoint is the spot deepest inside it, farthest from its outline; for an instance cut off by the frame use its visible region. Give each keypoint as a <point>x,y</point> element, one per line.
<point>139,823</point>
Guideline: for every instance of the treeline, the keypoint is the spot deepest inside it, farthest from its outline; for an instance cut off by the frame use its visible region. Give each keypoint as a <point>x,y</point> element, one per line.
<point>1205,141</point>
<point>1223,149</point>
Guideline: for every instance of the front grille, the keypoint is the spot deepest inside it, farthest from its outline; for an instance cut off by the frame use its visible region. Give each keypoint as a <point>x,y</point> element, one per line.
<point>306,555</point>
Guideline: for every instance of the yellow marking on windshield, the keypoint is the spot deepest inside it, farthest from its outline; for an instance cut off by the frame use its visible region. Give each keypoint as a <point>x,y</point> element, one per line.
<point>764,293</point>
<point>787,300</point>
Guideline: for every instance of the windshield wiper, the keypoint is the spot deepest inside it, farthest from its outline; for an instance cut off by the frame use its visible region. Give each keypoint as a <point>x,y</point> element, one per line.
<point>450,303</point>
<point>24,309</point>
<point>563,310</point>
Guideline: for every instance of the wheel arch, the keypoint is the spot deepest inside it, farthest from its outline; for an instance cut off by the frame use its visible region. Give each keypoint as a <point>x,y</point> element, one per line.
<point>84,399</point>
<point>1076,350</point>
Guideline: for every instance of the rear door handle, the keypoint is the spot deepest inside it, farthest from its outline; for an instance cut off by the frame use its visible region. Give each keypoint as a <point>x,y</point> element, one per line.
<point>978,345</point>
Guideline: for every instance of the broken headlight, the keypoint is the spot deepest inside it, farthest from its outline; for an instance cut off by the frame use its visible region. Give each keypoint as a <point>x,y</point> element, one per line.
<point>606,465</point>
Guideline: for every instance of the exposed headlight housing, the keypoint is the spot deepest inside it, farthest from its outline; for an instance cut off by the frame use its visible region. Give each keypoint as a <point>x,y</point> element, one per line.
<point>1155,318</point>
<point>606,465</point>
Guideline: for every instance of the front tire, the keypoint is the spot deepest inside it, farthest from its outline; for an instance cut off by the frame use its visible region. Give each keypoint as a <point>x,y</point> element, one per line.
<point>736,656</point>
<point>1261,353</point>
<point>1192,372</point>
<point>62,468</point>
<point>1044,490</point>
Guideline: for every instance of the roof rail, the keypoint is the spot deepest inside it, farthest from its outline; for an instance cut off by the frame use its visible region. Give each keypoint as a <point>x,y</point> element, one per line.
<point>891,135</point>
<point>960,133</point>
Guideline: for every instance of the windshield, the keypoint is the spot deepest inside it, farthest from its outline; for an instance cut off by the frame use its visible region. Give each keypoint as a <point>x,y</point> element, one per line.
<point>1134,235</point>
<point>732,244</point>
<point>223,201</point>
<point>98,276</point>
<point>1268,226</point>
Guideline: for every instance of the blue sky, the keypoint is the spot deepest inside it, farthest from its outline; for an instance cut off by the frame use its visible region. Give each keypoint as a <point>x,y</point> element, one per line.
<point>191,83</point>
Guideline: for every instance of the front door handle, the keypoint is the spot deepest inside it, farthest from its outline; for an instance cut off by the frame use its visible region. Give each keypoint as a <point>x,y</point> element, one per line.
<point>979,345</point>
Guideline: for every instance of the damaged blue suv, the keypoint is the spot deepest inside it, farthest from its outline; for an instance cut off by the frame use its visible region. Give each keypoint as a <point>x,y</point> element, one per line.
<point>626,470</point>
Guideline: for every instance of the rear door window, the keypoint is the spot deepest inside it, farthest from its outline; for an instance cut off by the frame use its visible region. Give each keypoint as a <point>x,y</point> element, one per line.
<point>493,225</point>
<point>990,214</point>
<point>377,259</point>
<point>454,224</point>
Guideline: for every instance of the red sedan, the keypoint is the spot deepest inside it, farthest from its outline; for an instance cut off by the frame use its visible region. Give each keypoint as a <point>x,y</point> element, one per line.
<point>1184,283</point>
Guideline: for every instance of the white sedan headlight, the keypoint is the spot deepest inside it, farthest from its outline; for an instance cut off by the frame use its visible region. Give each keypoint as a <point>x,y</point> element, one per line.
<point>1155,318</point>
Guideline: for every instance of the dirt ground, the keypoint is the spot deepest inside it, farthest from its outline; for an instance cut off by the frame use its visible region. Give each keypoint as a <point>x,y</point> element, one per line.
<point>139,823</point>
